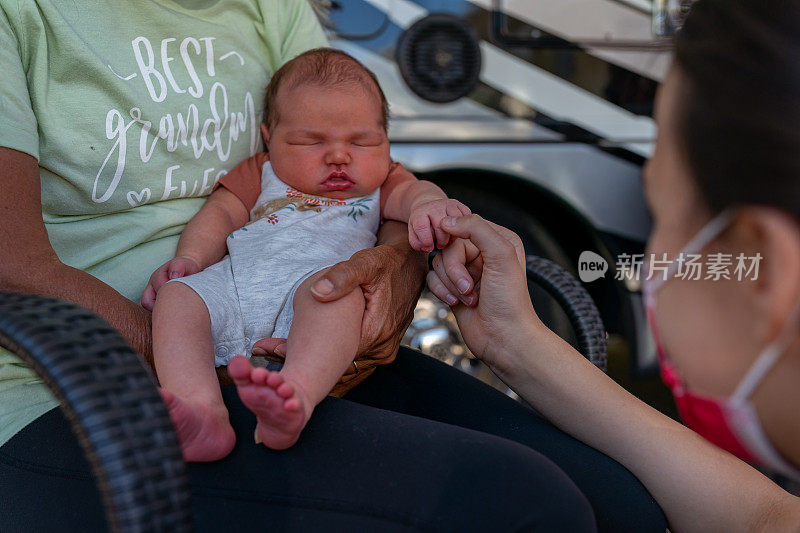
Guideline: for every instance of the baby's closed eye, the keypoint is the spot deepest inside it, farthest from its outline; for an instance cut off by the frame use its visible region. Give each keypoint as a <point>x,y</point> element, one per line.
<point>303,142</point>
<point>367,139</point>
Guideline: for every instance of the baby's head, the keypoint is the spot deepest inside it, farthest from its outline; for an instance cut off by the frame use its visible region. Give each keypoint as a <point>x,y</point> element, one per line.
<point>325,125</point>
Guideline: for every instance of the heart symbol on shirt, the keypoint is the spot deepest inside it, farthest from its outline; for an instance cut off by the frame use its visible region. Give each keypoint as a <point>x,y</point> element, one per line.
<point>135,198</point>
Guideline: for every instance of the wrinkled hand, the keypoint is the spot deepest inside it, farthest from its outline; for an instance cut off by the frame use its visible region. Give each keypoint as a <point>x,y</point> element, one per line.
<point>391,277</point>
<point>493,258</point>
<point>174,268</point>
<point>424,233</point>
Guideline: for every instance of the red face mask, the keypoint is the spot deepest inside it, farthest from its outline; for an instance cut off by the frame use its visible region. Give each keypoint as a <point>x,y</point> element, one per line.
<point>731,423</point>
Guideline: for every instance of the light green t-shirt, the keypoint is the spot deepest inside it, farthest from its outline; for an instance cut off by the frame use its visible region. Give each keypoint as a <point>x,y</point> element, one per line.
<point>134,110</point>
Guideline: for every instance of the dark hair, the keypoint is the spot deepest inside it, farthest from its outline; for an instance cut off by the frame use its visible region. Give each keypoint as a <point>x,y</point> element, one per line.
<point>739,119</point>
<point>324,67</point>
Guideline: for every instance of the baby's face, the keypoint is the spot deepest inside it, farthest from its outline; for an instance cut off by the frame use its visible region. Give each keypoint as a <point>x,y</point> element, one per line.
<point>329,142</point>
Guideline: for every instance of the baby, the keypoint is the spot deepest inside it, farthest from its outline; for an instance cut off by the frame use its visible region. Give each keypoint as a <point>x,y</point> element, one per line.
<point>323,190</point>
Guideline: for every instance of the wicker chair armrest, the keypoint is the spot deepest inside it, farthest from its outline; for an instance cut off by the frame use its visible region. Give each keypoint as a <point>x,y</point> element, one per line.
<point>113,405</point>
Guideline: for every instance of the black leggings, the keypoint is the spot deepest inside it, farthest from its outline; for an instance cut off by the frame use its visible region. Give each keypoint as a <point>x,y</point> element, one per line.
<point>359,466</point>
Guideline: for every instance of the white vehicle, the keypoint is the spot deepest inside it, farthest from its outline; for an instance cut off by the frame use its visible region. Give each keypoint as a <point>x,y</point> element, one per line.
<point>548,137</point>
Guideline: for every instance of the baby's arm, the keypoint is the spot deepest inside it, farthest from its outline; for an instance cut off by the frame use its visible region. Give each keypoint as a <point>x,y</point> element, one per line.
<point>202,242</point>
<point>203,239</point>
<point>422,205</point>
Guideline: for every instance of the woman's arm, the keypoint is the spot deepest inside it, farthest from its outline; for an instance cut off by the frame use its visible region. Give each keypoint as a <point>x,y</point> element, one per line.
<point>699,487</point>
<point>30,265</point>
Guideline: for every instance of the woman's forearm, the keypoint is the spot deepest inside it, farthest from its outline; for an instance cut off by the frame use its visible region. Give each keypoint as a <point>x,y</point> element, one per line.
<point>54,279</point>
<point>30,265</point>
<point>699,486</point>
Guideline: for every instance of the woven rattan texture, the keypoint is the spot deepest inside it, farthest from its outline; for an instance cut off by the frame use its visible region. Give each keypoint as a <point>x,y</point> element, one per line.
<point>576,302</point>
<point>113,405</point>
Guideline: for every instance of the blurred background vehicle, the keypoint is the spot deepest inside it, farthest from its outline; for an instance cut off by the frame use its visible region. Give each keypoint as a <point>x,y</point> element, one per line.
<point>538,115</point>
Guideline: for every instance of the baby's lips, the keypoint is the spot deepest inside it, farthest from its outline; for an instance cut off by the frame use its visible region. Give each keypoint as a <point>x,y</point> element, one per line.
<point>339,174</point>
<point>338,180</point>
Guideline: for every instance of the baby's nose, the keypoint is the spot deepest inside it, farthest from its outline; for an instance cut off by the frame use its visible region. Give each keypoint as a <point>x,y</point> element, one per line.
<point>338,156</point>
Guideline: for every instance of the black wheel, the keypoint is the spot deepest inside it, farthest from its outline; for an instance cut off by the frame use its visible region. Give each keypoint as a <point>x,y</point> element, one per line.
<point>113,406</point>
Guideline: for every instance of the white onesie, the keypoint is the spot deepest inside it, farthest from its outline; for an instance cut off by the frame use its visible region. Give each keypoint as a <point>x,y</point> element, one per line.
<point>290,236</point>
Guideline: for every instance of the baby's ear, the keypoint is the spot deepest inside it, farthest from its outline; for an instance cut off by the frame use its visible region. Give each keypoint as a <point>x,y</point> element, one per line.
<point>265,134</point>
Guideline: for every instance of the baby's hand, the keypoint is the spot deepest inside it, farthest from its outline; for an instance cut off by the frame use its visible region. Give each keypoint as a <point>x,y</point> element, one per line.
<point>174,268</point>
<point>424,233</point>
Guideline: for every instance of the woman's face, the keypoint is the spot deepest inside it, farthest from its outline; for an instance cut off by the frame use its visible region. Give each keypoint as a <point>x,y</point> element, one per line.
<point>714,330</point>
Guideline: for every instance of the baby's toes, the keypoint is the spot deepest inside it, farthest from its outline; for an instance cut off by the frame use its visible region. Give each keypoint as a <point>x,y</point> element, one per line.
<point>285,391</point>
<point>274,380</point>
<point>239,370</point>
<point>292,404</point>
<point>259,376</point>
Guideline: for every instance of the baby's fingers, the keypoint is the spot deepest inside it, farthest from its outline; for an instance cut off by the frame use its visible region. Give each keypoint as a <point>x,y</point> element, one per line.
<point>414,241</point>
<point>159,278</point>
<point>177,271</point>
<point>457,209</point>
<point>180,267</point>
<point>422,230</point>
<point>442,237</point>
<point>452,208</point>
<point>148,299</point>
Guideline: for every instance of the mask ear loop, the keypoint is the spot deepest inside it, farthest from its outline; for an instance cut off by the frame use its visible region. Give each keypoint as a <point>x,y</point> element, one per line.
<point>759,369</point>
<point>709,232</point>
<point>742,417</point>
<point>768,358</point>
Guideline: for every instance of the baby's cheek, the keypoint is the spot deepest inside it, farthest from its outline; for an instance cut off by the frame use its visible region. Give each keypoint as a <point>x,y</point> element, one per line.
<point>376,177</point>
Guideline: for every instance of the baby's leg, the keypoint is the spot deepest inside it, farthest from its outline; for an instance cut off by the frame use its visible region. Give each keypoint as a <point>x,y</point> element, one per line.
<point>184,360</point>
<point>322,343</point>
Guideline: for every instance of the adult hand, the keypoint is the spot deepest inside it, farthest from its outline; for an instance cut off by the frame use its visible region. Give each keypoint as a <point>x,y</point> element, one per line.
<point>391,277</point>
<point>496,308</point>
<point>174,268</point>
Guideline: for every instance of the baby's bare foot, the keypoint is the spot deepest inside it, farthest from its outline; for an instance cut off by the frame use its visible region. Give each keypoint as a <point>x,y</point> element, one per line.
<point>278,405</point>
<point>204,434</point>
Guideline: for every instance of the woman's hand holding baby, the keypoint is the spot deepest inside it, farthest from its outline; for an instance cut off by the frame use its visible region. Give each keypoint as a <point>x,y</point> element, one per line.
<point>174,268</point>
<point>391,278</point>
<point>424,233</point>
